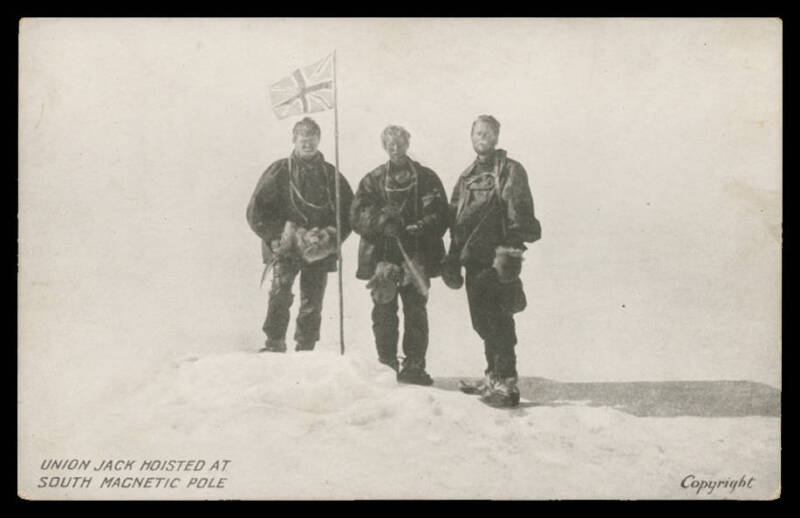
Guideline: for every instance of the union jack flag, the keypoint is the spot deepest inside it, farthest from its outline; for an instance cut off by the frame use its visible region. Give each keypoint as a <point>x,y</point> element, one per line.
<point>309,89</point>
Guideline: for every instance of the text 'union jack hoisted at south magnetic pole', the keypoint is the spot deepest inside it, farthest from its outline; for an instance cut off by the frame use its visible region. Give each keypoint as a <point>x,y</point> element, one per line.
<point>313,89</point>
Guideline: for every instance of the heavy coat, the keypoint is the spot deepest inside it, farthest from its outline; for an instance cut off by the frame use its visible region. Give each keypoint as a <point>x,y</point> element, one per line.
<point>426,207</point>
<point>491,210</point>
<point>275,201</point>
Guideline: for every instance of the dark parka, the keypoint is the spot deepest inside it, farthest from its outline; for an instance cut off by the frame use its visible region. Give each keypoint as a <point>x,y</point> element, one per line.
<point>427,207</point>
<point>488,211</point>
<point>274,202</point>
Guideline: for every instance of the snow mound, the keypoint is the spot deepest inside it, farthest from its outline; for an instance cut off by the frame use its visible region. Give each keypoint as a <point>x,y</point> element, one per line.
<point>310,382</point>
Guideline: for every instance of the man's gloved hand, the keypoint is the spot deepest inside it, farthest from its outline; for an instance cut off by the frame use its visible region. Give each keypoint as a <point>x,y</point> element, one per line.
<point>451,272</point>
<point>393,228</point>
<point>494,293</point>
<point>415,229</point>
<point>391,222</point>
<point>316,244</point>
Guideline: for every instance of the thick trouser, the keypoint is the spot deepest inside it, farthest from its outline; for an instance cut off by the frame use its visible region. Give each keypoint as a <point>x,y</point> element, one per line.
<point>494,325</point>
<point>385,326</point>
<point>313,280</point>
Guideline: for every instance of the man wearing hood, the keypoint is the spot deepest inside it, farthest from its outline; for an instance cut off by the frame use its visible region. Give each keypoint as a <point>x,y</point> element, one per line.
<point>400,211</point>
<point>492,216</point>
<point>293,211</point>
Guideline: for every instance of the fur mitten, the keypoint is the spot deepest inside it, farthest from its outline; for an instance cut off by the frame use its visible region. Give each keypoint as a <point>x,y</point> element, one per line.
<point>316,244</point>
<point>286,246</point>
<point>451,272</point>
<point>383,284</point>
<point>507,263</point>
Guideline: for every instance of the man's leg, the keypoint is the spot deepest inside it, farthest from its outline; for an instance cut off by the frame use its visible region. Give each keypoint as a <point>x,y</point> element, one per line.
<point>415,336</point>
<point>496,326</point>
<point>280,300</point>
<point>385,328</point>
<point>309,317</point>
<point>503,391</point>
<point>481,321</point>
<point>504,339</point>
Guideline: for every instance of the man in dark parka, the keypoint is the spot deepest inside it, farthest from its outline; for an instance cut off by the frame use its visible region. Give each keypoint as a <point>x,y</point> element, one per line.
<point>298,193</point>
<point>403,201</point>
<point>491,218</point>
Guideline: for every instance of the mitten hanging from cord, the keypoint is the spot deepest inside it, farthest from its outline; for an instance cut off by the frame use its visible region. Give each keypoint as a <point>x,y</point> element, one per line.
<point>507,263</point>
<point>383,284</point>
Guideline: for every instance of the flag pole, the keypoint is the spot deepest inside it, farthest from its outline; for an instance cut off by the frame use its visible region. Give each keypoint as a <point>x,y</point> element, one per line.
<point>338,204</point>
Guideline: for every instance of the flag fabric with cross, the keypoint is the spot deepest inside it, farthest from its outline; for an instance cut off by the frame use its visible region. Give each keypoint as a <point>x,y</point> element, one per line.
<point>309,89</point>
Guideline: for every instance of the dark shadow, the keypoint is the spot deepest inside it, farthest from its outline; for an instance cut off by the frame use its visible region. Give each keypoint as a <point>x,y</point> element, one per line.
<point>652,398</point>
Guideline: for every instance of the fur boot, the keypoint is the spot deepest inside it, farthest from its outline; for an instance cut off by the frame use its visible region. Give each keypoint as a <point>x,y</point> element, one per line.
<point>502,394</point>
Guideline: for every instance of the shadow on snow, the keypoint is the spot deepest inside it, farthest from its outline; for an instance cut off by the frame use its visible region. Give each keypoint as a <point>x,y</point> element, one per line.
<point>652,398</point>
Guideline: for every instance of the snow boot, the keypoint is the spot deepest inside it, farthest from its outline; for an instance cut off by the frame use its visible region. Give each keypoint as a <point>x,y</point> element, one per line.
<point>391,363</point>
<point>304,346</point>
<point>476,387</point>
<point>414,375</point>
<point>273,346</point>
<point>503,393</point>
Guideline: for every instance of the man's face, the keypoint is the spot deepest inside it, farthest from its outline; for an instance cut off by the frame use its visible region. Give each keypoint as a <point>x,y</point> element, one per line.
<point>305,144</point>
<point>484,138</point>
<point>396,148</point>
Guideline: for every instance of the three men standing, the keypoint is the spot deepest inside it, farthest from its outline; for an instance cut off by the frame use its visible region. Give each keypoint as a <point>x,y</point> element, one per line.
<point>293,212</point>
<point>400,211</point>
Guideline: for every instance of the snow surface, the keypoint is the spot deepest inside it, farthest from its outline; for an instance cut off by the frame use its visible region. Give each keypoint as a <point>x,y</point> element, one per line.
<point>319,425</point>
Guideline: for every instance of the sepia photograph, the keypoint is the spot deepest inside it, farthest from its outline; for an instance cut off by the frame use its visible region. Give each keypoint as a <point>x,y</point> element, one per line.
<point>399,258</point>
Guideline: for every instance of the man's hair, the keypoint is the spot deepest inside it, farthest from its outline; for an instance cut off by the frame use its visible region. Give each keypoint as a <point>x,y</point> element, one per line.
<point>394,132</point>
<point>306,125</point>
<point>487,119</point>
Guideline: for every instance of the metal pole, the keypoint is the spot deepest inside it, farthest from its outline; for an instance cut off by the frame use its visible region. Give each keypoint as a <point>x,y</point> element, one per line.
<point>338,204</point>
